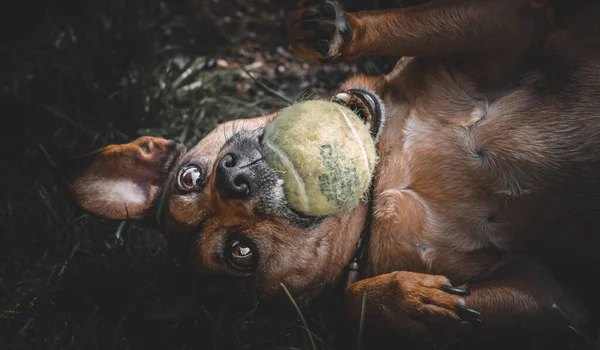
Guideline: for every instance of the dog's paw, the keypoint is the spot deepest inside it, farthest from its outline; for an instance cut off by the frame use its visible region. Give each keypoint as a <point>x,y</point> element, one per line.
<point>317,30</point>
<point>414,303</point>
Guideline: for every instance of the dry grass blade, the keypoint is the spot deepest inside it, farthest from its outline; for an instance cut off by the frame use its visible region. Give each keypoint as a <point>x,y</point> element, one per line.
<point>310,337</point>
<point>570,323</point>
<point>266,88</point>
<point>361,326</point>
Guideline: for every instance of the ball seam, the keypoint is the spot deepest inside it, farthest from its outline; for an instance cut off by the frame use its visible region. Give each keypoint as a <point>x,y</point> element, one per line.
<point>355,134</point>
<point>289,165</point>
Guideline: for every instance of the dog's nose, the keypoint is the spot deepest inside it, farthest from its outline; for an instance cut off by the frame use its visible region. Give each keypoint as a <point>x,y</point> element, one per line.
<point>235,177</point>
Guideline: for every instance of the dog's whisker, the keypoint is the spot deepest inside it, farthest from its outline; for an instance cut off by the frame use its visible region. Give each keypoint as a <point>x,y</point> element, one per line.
<point>231,125</point>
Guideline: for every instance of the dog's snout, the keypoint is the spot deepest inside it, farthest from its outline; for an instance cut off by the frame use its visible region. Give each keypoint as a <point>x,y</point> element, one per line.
<point>235,177</point>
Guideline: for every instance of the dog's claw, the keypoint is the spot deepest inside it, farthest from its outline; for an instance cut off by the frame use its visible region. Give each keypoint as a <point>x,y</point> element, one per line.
<point>468,315</point>
<point>456,291</point>
<point>344,97</point>
<point>331,58</point>
<point>322,46</point>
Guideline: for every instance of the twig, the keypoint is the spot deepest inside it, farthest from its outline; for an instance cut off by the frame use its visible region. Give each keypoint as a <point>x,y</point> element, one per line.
<point>266,88</point>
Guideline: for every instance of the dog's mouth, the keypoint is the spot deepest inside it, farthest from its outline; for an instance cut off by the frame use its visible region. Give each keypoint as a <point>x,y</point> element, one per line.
<point>367,105</point>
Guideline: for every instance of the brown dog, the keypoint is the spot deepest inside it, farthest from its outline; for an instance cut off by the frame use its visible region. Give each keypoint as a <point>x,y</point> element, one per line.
<point>490,163</point>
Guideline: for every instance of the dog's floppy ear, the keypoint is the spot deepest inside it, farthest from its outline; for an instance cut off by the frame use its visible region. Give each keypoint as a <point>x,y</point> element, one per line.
<point>121,181</point>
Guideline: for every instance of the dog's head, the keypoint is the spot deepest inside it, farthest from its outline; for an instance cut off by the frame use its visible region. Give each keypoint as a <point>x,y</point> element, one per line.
<point>220,205</point>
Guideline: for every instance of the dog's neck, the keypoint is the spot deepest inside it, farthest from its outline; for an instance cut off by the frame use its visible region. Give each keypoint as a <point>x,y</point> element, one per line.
<point>354,266</point>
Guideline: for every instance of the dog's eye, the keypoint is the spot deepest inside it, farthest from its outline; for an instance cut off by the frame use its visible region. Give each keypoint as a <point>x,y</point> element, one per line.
<point>240,256</point>
<point>189,178</point>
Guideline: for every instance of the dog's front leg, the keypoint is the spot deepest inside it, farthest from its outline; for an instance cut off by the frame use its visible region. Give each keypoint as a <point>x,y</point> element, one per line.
<point>517,297</point>
<point>321,30</point>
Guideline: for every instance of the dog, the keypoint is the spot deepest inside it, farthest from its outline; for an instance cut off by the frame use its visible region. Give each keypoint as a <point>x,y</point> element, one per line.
<point>489,139</point>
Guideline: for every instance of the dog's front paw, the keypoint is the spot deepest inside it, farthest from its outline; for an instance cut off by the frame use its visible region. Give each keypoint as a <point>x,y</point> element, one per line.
<point>413,303</point>
<point>318,29</point>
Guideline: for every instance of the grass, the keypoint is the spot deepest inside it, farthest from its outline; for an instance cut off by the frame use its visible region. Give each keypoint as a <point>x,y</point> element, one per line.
<point>81,75</point>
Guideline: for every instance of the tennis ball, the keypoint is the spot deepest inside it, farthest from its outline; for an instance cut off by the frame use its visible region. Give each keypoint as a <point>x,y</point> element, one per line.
<point>324,154</point>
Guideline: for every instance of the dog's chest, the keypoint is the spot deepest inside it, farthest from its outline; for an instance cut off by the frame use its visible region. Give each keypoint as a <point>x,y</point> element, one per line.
<point>431,200</point>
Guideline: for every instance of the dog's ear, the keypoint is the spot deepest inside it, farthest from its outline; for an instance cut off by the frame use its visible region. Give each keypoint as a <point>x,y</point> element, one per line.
<point>121,181</point>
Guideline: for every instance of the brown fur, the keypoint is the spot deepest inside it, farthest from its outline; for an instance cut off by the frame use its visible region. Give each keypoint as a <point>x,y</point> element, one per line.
<point>489,162</point>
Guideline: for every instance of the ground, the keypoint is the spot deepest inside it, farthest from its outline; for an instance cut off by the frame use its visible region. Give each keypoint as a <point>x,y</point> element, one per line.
<point>79,75</point>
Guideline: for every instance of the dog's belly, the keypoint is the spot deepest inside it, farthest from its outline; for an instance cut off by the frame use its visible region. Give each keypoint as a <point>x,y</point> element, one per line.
<point>463,179</point>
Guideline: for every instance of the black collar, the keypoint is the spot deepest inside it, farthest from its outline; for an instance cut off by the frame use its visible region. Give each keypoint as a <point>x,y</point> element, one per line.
<point>354,267</point>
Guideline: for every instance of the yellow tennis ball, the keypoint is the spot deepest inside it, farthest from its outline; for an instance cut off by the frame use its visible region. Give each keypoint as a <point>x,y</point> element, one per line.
<point>324,153</point>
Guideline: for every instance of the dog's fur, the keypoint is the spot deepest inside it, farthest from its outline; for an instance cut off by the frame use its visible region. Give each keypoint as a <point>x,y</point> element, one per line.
<point>490,164</point>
